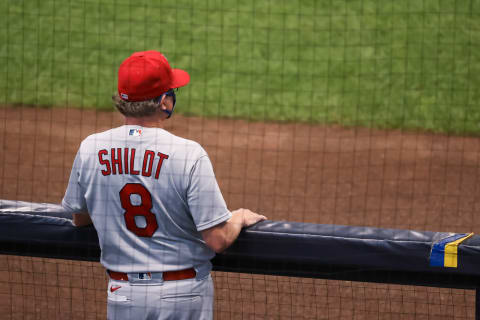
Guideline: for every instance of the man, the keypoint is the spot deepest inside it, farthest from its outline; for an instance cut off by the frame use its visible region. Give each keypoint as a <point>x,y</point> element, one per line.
<point>154,201</point>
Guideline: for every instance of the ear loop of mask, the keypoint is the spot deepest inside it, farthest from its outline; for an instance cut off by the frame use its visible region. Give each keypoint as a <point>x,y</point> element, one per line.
<point>169,93</point>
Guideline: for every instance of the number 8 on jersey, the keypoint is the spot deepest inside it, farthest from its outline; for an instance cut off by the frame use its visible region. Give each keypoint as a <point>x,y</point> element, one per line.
<point>143,209</point>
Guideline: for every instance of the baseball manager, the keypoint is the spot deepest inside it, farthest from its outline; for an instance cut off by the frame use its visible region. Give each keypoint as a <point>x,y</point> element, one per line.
<point>154,201</point>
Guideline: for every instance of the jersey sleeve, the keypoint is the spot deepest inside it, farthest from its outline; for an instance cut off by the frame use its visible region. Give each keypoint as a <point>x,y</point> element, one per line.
<point>206,203</point>
<point>74,199</point>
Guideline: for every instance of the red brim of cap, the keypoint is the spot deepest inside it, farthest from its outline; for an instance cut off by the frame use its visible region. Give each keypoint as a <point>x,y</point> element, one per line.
<point>180,78</point>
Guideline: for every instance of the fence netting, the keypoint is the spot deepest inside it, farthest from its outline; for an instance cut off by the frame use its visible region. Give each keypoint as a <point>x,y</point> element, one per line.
<point>360,112</point>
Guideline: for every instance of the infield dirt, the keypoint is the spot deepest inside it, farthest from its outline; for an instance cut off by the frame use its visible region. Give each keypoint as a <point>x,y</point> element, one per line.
<point>295,172</point>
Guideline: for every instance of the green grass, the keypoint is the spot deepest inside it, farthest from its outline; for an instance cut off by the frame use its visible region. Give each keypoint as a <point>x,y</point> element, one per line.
<point>388,64</point>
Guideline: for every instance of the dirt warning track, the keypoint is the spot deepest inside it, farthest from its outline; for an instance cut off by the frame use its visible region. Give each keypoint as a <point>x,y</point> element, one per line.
<point>297,172</point>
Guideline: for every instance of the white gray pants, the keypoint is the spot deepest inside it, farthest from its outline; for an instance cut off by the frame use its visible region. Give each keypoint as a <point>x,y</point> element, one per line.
<point>181,299</point>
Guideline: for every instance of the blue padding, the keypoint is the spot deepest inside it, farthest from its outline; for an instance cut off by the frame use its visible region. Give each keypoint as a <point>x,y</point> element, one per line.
<point>269,247</point>
<point>437,257</point>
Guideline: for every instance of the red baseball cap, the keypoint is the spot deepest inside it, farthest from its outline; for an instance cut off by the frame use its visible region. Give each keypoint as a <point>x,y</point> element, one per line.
<point>146,75</point>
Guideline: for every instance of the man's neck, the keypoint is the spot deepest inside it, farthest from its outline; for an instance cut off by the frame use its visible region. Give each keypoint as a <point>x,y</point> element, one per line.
<point>149,122</point>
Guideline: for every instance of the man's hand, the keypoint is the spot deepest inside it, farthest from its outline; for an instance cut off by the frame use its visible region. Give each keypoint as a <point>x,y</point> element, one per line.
<point>221,236</point>
<point>249,217</point>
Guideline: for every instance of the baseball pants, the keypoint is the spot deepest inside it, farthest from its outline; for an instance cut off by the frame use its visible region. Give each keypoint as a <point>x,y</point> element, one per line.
<point>179,299</point>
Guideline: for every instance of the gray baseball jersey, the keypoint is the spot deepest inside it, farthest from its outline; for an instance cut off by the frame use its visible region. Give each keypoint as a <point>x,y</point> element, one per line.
<point>149,194</point>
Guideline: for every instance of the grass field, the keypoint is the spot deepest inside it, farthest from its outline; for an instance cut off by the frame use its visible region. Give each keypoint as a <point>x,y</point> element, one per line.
<point>389,64</point>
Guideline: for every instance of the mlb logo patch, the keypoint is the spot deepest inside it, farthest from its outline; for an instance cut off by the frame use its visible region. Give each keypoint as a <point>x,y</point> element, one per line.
<point>135,132</point>
<point>145,276</point>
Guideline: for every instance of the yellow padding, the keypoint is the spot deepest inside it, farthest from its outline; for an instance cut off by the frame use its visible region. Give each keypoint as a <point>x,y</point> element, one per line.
<point>451,252</point>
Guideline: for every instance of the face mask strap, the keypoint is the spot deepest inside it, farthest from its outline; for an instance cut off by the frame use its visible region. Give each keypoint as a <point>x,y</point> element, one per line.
<point>169,93</point>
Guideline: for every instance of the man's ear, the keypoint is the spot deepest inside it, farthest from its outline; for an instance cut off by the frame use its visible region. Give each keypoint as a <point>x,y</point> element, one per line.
<point>163,104</point>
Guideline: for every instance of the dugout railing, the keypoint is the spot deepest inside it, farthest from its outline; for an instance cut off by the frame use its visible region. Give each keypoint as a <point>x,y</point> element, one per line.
<point>352,253</point>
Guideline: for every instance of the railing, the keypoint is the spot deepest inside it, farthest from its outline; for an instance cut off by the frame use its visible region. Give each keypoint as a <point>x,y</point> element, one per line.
<point>273,247</point>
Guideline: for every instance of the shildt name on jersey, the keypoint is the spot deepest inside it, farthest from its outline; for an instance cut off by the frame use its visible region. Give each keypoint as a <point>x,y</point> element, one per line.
<point>122,161</point>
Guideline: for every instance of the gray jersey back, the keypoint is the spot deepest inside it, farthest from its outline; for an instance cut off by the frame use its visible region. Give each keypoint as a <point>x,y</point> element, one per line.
<point>149,193</point>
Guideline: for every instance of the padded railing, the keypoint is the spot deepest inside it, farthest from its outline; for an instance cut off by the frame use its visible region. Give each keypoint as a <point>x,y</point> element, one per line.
<point>275,247</point>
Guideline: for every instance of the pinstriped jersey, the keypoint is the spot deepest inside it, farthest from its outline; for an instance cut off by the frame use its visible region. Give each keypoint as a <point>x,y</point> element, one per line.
<point>149,194</point>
